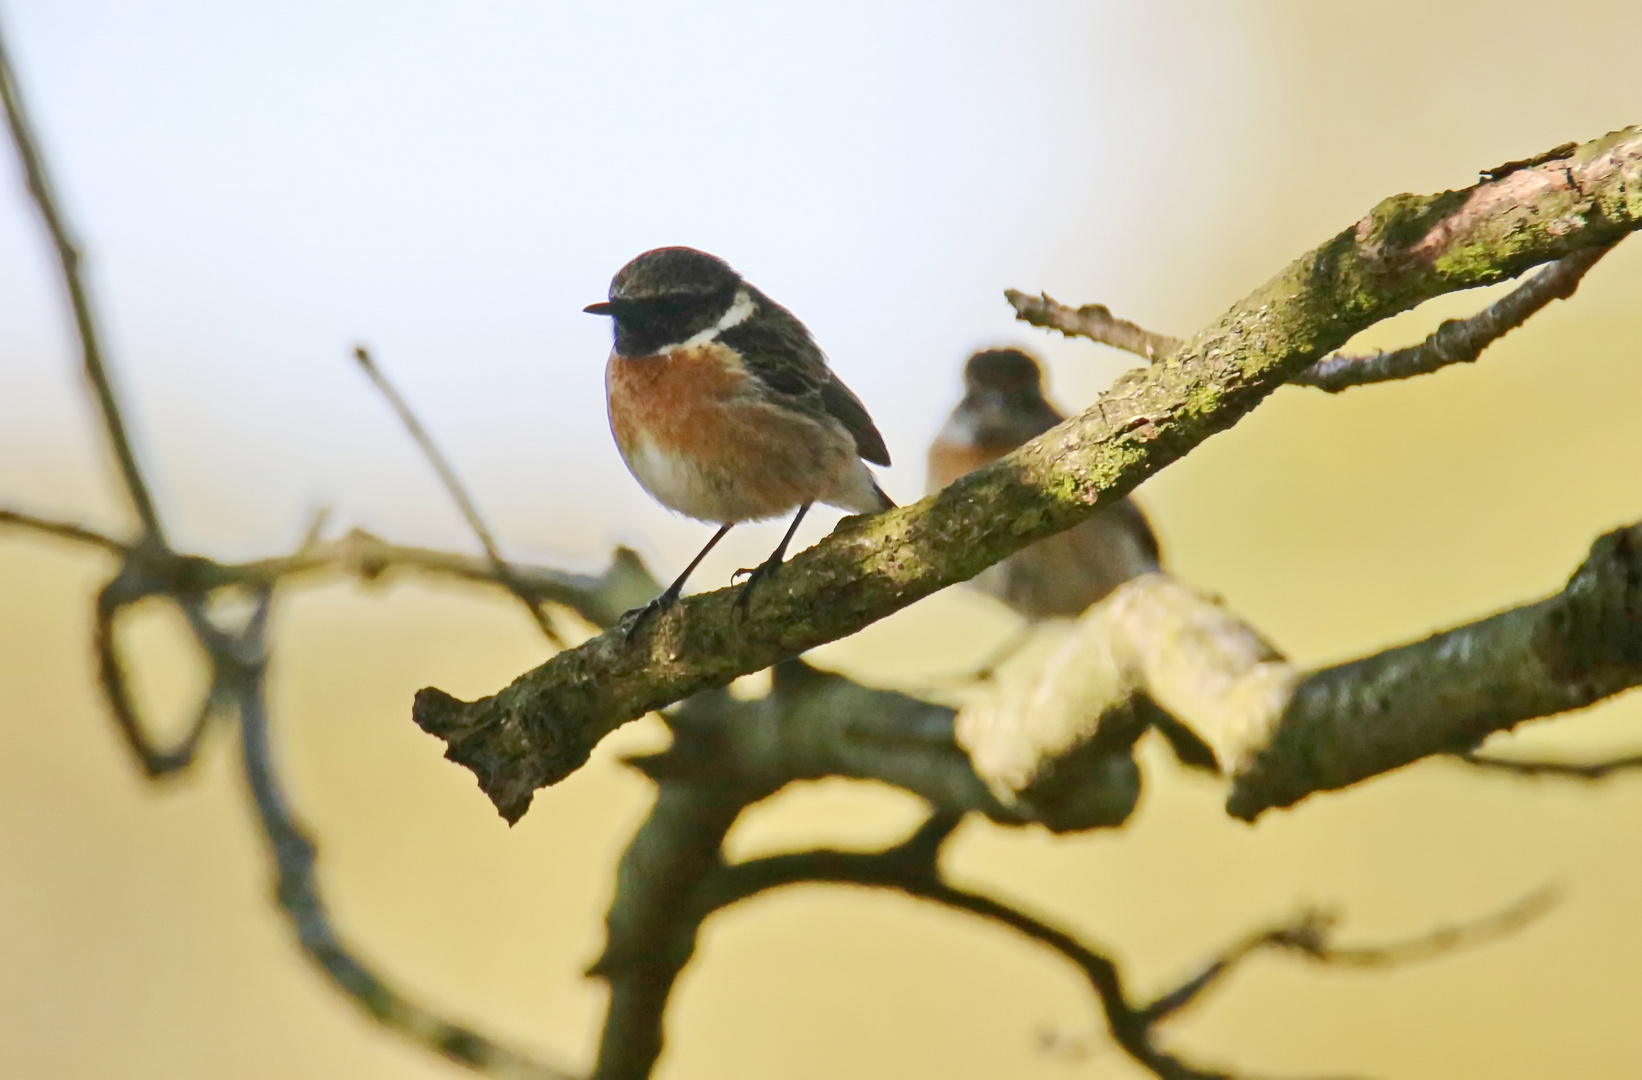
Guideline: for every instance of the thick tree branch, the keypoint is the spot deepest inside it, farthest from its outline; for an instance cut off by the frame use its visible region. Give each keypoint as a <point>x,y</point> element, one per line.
<point>652,923</point>
<point>1283,734</point>
<point>1451,691</point>
<point>1407,250</point>
<point>814,724</point>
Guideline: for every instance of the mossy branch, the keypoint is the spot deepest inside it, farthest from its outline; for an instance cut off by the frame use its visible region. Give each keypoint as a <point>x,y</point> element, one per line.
<point>1408,249</point>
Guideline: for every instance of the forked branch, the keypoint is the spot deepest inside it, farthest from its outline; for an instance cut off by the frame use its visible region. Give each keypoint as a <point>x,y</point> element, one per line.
<point>1407,250</point>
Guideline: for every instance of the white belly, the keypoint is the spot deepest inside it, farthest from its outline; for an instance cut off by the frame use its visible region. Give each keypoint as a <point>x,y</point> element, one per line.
<point>685,486</point>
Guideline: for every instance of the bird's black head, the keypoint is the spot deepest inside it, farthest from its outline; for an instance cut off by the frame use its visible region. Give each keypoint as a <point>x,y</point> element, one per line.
<point>1003,397</point>
<point>1007,371</point>
<point>666,296</point>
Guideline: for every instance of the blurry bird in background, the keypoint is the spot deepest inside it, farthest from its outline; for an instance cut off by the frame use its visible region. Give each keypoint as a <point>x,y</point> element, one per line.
<point>725,409</point>
<point>1058,577</point>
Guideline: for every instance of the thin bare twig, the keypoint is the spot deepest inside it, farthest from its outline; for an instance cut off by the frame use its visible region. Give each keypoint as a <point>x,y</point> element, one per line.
<point>66,530</point>
<point>237,659</point>
<point>68,259</point>
<point>1443,939</point>
<point>1571,770</point>
<point>1456,341</point>
<point>1309,936</point>
<point>1093,321</point>
<point>1131,1026</point>
<point>598,598</point>
<point>504,572</point>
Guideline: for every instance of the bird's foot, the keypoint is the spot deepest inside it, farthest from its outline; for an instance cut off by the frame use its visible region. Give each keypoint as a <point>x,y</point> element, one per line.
<point>636,619</point>
<point>753,576</point>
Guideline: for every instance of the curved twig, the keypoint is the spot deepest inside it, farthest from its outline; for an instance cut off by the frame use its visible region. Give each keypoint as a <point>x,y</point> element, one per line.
<point>241,661</point>
<point>1456,341</point>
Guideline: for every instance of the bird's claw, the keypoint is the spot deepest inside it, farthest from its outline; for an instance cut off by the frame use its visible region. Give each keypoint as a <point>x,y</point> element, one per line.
<point>754,576</point>
<point>635,619</point>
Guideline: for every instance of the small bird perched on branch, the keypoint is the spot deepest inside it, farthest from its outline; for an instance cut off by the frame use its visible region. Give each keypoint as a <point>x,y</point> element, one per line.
<point>1058,577</point>
<point>724,408</point>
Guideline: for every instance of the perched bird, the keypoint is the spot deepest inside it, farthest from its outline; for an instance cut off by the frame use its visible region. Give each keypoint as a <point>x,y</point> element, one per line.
<point>724,408</point>
<point>1057,577</point>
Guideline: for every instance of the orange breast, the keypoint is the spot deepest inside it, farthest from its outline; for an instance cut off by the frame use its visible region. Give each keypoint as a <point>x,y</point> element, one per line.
<point>675,400</point>
<point>950,460</point>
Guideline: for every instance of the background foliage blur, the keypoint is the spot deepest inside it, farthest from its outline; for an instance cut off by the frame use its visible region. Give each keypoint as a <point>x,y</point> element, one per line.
<point>260,186</point>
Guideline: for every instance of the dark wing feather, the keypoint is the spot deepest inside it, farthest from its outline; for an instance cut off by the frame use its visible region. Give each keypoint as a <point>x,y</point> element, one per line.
<point>780,353</point>
<point>842,403</point>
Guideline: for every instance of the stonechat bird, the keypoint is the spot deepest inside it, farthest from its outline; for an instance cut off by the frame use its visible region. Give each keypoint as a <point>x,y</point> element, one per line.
<point>725,409</point>
<point>1057,577</point>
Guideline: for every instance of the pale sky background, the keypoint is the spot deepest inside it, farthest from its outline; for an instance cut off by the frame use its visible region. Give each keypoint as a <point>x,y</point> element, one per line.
<point>261,186</point>
<point>265,185</point>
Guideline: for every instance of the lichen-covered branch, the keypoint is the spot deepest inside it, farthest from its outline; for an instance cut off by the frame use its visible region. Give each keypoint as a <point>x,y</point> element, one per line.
<point>1406,250</point>
<point>1281,733</point>
<point>1044,741</point>
<point>1451,691</point>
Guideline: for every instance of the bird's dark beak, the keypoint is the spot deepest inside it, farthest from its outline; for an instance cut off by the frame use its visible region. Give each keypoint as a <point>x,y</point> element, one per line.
<point>603,307</point>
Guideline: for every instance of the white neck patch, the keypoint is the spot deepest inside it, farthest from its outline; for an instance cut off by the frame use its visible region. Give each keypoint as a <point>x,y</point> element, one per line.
<point>739,312</point>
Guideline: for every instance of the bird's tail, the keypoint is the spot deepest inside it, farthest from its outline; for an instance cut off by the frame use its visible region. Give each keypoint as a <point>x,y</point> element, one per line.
<point>884,501</point>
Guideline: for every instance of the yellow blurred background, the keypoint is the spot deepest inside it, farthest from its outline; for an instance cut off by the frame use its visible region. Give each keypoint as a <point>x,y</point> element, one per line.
<point>262,185</point>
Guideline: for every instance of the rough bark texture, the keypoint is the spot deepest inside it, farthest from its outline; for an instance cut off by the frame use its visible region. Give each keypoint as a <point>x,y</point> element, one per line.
<point>1056,752</point>
<point>1406,250</point>
<point>1456,341</point>
<point>1451,691</point>
<point>1051,748</point>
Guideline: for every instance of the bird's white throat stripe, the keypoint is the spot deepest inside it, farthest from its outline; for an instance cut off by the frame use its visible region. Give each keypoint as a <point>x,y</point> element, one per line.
<point>739,312</point>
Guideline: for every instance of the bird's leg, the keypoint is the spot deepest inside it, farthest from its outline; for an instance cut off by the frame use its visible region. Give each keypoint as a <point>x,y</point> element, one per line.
<point>768,566</point>
<point>637,617</point>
